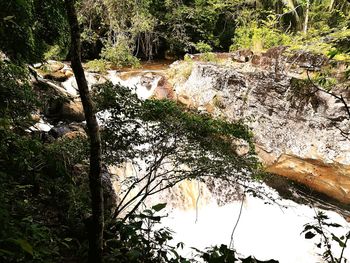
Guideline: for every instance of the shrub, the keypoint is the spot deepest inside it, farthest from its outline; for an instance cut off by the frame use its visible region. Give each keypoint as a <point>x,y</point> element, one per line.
<point>259,37</point>
<point>119,54</point>
<point>55,52</point>
<point>203,47</point>
<point>97,65</point>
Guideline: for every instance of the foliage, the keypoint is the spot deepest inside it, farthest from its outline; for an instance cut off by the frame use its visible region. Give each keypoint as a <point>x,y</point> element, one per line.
<point>119,54</point>
<point>321,229</point>
<point>171,143</point>
<point>17,100</point>
<point>260,36</point>
<point>203,47</point>
<point>28,28</point>
<point>43,201</point>
<point>156,27</point>
<point>97,65</point>
<point>139,240</point>
<point>55,52</point>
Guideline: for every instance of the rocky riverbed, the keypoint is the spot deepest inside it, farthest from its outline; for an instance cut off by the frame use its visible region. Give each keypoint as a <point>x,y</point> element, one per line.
<point>300,132</point>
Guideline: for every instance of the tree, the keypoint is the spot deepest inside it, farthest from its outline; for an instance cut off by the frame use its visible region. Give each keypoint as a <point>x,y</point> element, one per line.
<point>167,144</point>
<point>29,28</point>
<point>97,223</point>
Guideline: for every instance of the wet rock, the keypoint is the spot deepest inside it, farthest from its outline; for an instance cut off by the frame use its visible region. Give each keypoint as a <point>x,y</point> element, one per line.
<point>72,111</point>
<point>147,80</point>
<point>164,90</point>
<point>59,76</point>
<point>59,131</point>
<point>71,131</point>
<point>243,55</point>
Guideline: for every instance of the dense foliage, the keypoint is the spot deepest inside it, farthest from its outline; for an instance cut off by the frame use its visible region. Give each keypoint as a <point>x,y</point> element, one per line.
<point>157,28</point>
<point>30,28</point>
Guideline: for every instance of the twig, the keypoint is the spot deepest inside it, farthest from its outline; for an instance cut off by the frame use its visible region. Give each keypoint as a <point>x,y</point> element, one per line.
<point>197,201</point>
<point>341,98</point>
<point>239,217</point>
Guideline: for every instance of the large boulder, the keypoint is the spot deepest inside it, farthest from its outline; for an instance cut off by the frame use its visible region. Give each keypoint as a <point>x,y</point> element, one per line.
<point>164,90</point>
<point>69,110</point>
<point>288,118</point>
<point>72,111</point>
<point>53,71</point>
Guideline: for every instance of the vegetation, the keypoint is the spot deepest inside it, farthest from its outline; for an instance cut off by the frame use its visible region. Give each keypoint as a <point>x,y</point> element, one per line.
<point>321,229</point>
<point>158,28</point>
<point>51,205</point>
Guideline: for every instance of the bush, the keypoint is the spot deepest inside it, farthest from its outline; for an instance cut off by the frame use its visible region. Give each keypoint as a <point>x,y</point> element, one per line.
<point>119,54</point>
<point>55,52</point>
<point>259,37</point>
<point>97,65</point>
<point>203,47</point>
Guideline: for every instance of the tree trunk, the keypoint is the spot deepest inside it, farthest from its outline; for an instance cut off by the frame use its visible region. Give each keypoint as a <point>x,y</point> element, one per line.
<point>306,21</point>
<point>95,180</point>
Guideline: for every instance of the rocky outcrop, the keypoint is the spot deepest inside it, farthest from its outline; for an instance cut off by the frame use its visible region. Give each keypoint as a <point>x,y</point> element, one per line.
<point>70,131</point>
<point>55,71</point>
<point>164,90</point>
<point>68,110</point>
<point>288,117</point>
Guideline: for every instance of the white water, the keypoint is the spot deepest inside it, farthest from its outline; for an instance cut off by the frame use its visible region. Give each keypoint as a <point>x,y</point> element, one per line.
<point>265,231</point>
<point>134,82</point>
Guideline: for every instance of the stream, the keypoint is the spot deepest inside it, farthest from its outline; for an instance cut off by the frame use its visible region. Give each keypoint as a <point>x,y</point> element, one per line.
<point>264,229</point>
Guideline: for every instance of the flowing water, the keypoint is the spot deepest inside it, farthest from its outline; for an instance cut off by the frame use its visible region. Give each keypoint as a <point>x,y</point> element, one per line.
<point>263,229</point>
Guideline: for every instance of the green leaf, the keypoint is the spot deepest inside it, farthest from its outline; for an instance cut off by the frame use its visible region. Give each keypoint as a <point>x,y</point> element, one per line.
<point>24,245</point>
<point>309,235</point>
<point>4,251</point>
<point>159,207</point>
<point>8,18</point>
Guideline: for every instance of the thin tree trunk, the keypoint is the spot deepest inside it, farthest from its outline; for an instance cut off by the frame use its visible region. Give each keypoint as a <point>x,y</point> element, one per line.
<point>306,21</point>
<point>97,224</point>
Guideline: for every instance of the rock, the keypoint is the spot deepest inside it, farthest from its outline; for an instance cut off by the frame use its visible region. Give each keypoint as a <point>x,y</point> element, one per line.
<point>71,131</point>
<point>53,66</point>
<point>59,131</point>
<point>164,90</point>
<point>243,55</point>
<point>147,80</point>
<point>308,60</point>
<point>109,194</point>
<point>72,111</point>
<point>285,118</point>
<point>56,76</point>
<point>75,134</point>
<point>330,179</point>
<point>35,117</point>
<point>69,73</point>
<point>241,147</point>
<point>184,100</point>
